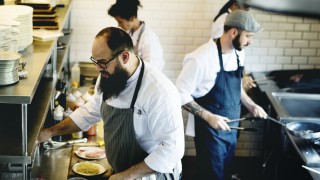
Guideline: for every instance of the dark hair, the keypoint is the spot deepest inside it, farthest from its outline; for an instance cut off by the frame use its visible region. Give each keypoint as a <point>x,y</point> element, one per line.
<point>116,39</point>
<point>125,9</point>
<point>224,9</point>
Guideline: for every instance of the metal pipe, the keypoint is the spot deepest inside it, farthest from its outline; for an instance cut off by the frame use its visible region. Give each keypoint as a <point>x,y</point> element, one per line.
<point>24,112</point>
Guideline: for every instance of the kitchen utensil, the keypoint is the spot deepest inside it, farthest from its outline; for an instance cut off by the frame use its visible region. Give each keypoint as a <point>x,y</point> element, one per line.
<point>311,169</point>
<point>263,78</point>
<point>304,130</point>
<point>50,144</point>
<point>242,119</point>
<point>249,129</point>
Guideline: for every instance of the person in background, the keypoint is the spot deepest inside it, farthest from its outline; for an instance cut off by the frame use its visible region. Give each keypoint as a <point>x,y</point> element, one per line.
<point>141,110</point>
<point>217,31</point>
<point>211,91</point>
<point>146,43</point>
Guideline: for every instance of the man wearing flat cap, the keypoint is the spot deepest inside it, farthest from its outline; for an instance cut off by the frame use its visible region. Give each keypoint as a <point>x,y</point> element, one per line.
<point>211,91</point>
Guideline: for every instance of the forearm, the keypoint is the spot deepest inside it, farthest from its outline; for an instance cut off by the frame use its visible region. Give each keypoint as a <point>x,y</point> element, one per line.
<point>66,126</point>
<point>139,170</point>
<point>195,109</point>
<point>246,100</point>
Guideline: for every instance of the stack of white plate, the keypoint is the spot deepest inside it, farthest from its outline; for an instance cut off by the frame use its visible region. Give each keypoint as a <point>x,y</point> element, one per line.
<point>9,38</point>
<point>9,62</point>
<point>22,14</point>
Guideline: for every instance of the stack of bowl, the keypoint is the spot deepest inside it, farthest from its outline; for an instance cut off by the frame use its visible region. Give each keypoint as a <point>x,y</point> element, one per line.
<point>9,62</point>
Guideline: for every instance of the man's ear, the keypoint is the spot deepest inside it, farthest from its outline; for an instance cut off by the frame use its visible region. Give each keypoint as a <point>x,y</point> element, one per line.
<point>234,32</point>
<point>125,57</point>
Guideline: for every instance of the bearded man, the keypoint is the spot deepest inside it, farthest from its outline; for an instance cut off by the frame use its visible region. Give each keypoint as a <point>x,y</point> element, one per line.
<point>210,89</point>
<point>141,110</point>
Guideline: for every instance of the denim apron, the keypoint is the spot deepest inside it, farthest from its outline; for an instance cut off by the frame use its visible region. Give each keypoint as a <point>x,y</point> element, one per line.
<point>215,148</point>
<point>122,148</point>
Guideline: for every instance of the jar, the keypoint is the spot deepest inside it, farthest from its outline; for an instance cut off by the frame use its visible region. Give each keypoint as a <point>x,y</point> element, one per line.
<point>67,113</point>
<point>77,93</point>
<point>70,101</point>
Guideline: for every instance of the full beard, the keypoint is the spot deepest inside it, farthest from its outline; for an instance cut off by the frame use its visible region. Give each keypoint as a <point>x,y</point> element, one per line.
<point>114,84</point>
<point>236,43</point>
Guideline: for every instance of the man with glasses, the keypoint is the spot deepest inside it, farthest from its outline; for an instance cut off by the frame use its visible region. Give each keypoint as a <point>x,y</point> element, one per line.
<point>210,89</point>
<point>140,108</point>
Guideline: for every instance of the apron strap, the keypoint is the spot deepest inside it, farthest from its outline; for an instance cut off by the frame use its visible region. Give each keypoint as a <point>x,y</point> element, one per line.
<point>135,95</point>
<point>220,54</point>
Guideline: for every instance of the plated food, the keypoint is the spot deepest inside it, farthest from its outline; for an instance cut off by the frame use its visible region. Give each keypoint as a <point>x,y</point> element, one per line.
<point>89,168</point>
<point>90,152</point>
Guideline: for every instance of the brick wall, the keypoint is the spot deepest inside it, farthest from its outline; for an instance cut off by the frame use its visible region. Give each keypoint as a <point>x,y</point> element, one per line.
<point>286,43</point>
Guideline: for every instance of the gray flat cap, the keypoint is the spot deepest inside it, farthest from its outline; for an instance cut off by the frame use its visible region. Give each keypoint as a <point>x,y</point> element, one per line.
<point>243,20</point>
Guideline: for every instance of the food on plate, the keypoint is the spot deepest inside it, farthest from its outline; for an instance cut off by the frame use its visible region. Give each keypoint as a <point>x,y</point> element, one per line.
<point>87,168</point>
<point>91,152</point>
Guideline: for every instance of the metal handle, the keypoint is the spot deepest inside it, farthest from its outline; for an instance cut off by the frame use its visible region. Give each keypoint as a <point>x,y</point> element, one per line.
<point>78,141</point>
<point>234,127</point>
<point>236,120</point>
<point>276,121</point>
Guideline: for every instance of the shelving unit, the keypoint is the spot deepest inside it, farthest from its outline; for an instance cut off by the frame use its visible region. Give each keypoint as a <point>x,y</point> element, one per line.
<point>24,106</point>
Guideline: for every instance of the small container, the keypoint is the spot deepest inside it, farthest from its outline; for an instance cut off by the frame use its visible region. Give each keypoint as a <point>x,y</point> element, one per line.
<point>67,113</point>
<point>57,115</point>
<point>75,75</point>
<point>77,93</point>
<point>86,96</point>
<point>70,101</point>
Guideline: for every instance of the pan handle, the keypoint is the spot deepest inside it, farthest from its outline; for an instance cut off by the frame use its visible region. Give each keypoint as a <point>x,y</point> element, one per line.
<point>276,121</point>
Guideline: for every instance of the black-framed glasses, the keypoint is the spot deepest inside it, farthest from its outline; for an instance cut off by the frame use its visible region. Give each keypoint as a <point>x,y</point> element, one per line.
<point>103,62</point>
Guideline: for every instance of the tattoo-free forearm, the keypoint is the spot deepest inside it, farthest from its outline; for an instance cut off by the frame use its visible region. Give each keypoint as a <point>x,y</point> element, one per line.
<point>194,108</point>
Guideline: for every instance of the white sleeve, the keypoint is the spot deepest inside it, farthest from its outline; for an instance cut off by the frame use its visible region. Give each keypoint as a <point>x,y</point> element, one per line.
<point>189,78</point>
<point>89,114</point>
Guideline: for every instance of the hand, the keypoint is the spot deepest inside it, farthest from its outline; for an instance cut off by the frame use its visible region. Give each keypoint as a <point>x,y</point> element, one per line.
<point>118,176</point>
<point>45,135</point>
<point>248,82</point>
<point>258,111</point>
<point>218,122</point>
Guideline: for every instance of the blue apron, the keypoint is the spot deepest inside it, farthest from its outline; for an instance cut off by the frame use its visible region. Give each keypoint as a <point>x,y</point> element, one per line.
<point>215,148</point>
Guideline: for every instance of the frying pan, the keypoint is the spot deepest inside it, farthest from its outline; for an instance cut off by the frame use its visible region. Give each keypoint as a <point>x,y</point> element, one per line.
<point>304,130</point>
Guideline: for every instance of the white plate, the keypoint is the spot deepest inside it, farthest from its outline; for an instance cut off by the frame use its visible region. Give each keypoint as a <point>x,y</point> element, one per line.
<point>81,152</point>
<point>88,168</point>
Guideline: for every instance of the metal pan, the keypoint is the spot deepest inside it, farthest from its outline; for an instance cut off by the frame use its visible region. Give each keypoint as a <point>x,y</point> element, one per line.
<point>304,130</point>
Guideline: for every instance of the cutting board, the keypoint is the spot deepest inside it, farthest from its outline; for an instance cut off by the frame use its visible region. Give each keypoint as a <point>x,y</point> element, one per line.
<point>76,159</point>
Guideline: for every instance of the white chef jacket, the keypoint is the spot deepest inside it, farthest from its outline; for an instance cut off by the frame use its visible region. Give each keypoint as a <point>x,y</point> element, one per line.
<point>149,47</point>
<point>218,25</point>
<point>158,122</point>
<point>199,73</point>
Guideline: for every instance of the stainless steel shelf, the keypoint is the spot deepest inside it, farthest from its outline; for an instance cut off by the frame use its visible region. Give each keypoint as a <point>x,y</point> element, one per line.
<point>30,98</point>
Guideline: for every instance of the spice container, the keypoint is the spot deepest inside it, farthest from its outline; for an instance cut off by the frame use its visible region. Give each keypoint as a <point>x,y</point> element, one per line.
<point>70,101</point>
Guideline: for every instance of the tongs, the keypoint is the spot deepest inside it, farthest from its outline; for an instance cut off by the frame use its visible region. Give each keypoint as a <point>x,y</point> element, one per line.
<point>50,144</point>
<point>249,129</point>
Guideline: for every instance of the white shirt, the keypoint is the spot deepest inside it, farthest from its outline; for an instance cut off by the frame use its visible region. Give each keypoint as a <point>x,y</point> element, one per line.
<point>199,73</point>
<point>149,47</point>
<point>159,125</point>
<point>217,26</point>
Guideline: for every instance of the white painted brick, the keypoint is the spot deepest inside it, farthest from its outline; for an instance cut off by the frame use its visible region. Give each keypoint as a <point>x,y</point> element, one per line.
<point>267,59</point>
<point>290,66</point>
<point>301,66</point>
<point>284,43</point>
<point>251,59</point>
<point>270,26</point>
<point>314,60</point>
<point>317,67</point>
<point>294,19</point>
<point>302,27</point>
<point>278,18</point>
<point>293,35</point>
<point>267,43</point>
<point>259,51</point>
<point>277,35</point>
<point>315,44</point>
<point>300,60</point>
<point>283,59</point>
<point>244,137</point>
<point>311,20</point>
<point>258,67</point>
<point>285,27</point>
<point>300,43</point>
<point>315,27</point>
<point>193,32</point>
<point>262,35</point>
<point>263,17</point>
<point>251,145</point>
<point>292,52</point>
<point>272,67</point>
<point>308,52</point>
<point>310,36</point>
<point>276,51</point>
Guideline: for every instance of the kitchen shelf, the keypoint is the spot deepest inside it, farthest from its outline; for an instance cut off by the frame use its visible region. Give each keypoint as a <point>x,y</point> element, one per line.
<point>27,102</point>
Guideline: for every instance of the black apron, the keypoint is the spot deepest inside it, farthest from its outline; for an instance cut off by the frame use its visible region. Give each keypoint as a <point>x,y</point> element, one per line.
<point>122,148</point>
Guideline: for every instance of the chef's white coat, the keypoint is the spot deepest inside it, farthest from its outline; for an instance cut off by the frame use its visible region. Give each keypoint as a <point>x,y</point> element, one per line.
<point>158,122</point>
<point>199,73</point>
<point>149,47</point>
<point>217,26</point>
